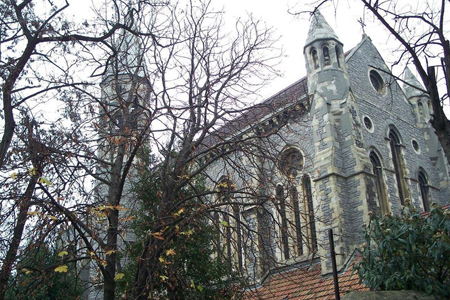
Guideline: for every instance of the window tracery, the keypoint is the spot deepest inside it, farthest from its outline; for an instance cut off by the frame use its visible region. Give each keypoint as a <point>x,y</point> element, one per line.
<point>379,182</point>
<point>230,243</point>
<point>424,190</point>
<point>307,193</point>
<point>291,162</point>
<point>397,160</point>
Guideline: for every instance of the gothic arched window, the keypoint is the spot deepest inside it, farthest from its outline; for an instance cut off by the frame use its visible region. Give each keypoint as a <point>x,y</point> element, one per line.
<point>421,111</point>
<point>338,55</point>
<point>314,58</point>
<point>379,182</point>
<point>297,220</point>
<point>307,193</point>
<point>326,56</point>
<point>397,160</point>
<point>281,206</point>
<point>424,190</point>
<point>232,224</point>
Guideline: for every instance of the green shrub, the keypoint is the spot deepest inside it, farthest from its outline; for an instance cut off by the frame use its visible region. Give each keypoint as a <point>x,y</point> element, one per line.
<point>409,252</point>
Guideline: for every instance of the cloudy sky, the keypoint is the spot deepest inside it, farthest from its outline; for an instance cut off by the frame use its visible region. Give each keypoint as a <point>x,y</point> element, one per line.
<point>344,18</point>
<point>293,30</point>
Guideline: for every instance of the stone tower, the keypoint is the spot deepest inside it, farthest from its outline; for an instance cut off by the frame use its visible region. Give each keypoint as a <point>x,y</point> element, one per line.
<point>420,101</point>
<point>123,119</point>
<point>342,179</point>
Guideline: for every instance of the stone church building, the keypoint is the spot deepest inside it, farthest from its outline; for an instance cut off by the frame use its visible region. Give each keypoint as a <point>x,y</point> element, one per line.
<point>346,141</point>
<point>349,140</point>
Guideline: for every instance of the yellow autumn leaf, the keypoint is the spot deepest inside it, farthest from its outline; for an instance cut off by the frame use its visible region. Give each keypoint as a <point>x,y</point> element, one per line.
<point>61,269</point>
<point>158,235</point>
<point>13,175</point>
<point>187,233</point>
<point>62,253</point>
<point>177,214</point>
<point>128,218</point>
<point>161,259</point>
<point>33,213</point>
<point>44,180</point>
<point>51,217</point>
<point>163,278</point>
<point>120,207</point>
<point>104,207</point>
<point>32,171</point>
<point>119,276</point>
<point>170,252</point>
<point>26,271</point>
<point>109,252</point>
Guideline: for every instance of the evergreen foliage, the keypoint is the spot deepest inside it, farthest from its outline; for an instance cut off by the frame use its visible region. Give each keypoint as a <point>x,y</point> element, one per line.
<point>408,252</point>
<point>187,268</point>
<point>37,279</point>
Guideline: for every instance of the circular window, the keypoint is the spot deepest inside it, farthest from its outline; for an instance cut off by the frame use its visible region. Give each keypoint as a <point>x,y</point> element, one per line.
<point>291,162</point>
<point>368,124</point>
<point>415,146</point>
<point>377,81</point>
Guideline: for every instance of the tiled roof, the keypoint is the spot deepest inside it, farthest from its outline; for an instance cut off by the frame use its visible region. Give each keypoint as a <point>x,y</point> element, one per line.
<point>290,95</point>
<point>305,283</point>
<point>298,91</point>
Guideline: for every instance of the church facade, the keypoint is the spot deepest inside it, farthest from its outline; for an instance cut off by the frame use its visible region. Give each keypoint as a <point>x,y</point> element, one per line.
<point>347,141</point>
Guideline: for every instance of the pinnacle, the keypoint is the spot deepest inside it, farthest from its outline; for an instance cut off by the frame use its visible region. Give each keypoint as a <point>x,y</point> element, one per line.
<point>320,29</point>
<point>410,91</point>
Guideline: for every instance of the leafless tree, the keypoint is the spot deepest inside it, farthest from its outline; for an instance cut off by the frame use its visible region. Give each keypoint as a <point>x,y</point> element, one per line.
<point>42,52</point>
<point>176,82</point>
<point>199,84</point>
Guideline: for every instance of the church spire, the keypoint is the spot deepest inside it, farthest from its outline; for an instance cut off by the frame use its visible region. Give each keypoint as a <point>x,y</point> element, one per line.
<point>410,83</point>
<point>320,29</point>
<point>324,54</point>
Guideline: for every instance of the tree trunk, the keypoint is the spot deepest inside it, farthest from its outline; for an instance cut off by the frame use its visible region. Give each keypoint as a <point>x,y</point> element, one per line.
<point>114,197</point>
<point>24,205</point>
<point>111,256</point>
<point>440,122</point>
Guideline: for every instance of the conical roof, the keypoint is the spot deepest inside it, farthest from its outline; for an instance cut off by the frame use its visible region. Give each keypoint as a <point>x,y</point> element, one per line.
<point>412,81</point>
<point>320,29</point>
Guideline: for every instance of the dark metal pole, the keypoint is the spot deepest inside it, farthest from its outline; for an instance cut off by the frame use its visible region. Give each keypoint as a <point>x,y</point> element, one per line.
<point>333,263</point>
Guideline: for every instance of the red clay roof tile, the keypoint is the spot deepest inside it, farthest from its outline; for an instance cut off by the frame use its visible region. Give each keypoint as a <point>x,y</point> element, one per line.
<point>304,284</point>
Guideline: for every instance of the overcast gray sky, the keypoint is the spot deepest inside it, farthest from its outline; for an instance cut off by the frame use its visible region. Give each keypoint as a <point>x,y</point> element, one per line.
<point>293,30</point>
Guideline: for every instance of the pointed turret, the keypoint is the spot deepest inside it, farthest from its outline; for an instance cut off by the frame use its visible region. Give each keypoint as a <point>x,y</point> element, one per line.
<point>128,59</point>
<point>419,100</point>
<point>340,156</point>
<point>412,87</point>
<point>320,30</point>
<point>324,56</point>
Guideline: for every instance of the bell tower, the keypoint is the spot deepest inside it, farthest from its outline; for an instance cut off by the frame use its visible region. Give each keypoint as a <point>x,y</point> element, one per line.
<point>343,169</point>
<point>324,58</point>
